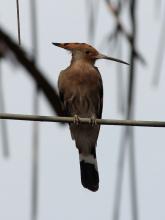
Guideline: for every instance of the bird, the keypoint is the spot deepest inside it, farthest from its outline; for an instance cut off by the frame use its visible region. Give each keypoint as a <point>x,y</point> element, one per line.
<point>81,93</point>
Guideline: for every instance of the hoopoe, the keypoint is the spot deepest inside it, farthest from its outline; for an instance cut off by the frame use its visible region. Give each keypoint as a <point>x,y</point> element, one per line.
<point>81,93</point>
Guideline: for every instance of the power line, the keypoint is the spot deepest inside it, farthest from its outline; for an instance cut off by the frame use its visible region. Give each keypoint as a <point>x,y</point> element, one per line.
<point>43,118</point>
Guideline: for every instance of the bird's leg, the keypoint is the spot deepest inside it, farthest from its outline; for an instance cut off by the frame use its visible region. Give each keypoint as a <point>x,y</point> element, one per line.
<point>76,120</point>
<point>93,121</point>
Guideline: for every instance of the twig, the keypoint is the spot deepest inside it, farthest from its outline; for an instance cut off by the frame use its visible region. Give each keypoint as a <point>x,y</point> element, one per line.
<point>120,29</point>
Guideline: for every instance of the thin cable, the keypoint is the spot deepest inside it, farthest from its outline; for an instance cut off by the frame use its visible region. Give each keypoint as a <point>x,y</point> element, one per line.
<point>18,22</point>
<point>41,118</point>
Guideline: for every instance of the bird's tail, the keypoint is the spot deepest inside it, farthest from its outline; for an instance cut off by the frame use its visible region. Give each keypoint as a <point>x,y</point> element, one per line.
<point>89,170</point>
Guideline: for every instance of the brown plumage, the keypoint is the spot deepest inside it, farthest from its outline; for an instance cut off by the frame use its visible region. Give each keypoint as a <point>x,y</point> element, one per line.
<point>81,93</point>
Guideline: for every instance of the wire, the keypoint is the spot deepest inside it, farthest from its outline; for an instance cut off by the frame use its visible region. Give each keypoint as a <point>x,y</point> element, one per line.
<point>18,22</point>
<point>42,118</point>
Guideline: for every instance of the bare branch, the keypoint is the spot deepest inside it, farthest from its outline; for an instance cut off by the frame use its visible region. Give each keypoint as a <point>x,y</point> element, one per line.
<point>38,77</point>
<point>120,29</point>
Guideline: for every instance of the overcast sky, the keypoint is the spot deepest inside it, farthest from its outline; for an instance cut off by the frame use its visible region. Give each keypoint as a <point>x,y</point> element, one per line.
<point>61,195</point>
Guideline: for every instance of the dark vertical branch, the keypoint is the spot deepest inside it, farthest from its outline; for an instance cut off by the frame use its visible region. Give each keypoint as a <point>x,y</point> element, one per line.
<point>34,35</point>
<point>133,178</point>
<point>5,139</point>
<point>131,84</point>
<point>120,89</point>
<point>119,178</point>
<point>18,22</point>
<point>35,161</point>
<point>116,36</point>
<point>130,113</point>
<point>35,152</point>
<point>127,140</point>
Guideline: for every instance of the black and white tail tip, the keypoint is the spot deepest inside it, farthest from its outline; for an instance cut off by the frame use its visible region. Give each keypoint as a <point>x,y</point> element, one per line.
<point>89,171</point>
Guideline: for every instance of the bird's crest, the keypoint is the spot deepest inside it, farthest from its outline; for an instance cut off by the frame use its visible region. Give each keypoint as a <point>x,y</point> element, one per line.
<point>74,46</point>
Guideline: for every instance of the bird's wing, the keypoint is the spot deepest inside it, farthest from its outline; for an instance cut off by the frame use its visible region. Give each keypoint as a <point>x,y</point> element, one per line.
<point>61,94</point>
<point>100,107</point>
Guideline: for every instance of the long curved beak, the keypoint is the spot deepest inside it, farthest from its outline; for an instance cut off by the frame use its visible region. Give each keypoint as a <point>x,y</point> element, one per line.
<point>58,44</point>
<point>67,46</point>
<point>102,56</point>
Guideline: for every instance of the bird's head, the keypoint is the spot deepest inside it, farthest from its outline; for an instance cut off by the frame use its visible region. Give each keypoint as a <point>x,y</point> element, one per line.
<point>85,52</point>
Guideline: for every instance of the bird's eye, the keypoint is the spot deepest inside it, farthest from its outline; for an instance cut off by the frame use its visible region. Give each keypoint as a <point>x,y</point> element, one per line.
<point>87,51</point>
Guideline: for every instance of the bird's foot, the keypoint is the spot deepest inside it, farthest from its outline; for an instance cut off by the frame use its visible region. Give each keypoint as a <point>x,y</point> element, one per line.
<point>76,120</point>
<point>93,121</point>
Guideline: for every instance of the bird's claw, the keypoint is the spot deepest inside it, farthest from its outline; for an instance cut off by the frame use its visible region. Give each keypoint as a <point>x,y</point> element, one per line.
<point>76,120</point>
<point>93,121</point>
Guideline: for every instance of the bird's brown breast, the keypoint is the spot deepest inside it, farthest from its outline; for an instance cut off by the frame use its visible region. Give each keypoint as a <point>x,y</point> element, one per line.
<point>74,79</point>
<point>80,88</point>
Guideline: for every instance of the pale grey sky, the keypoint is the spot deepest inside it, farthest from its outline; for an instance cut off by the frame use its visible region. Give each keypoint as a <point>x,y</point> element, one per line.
<point>61,195</point>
